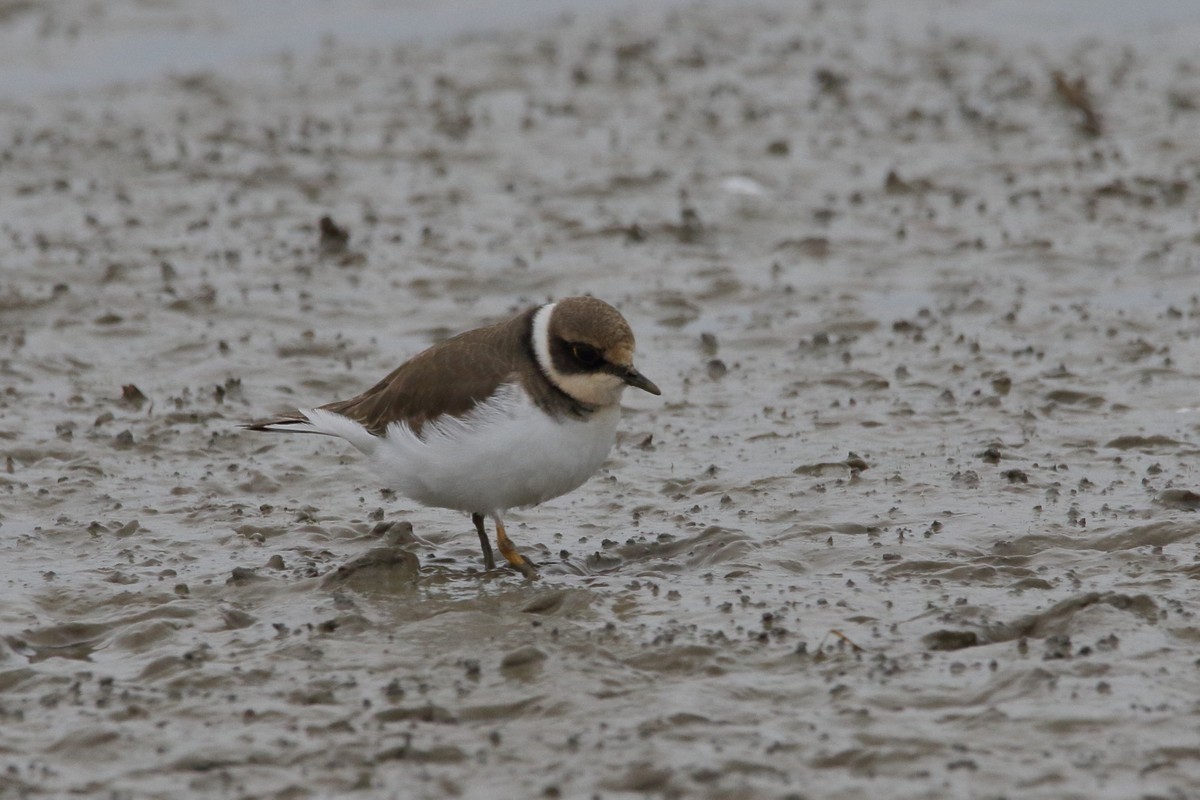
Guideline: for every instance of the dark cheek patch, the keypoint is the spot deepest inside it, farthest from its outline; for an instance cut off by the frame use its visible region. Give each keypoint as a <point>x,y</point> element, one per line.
<point>560,356</point>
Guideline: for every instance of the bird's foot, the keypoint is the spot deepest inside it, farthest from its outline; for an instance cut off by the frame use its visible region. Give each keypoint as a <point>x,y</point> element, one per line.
<point>514,558</point>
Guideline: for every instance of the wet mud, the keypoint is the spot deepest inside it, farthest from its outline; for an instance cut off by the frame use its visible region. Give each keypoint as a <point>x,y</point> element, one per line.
<point>915,516</point>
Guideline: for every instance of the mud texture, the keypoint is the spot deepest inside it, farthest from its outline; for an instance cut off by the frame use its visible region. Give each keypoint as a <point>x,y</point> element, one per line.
<point>916,516</point>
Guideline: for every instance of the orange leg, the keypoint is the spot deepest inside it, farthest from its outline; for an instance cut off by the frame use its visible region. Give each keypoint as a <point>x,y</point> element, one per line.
<point>509,551</point>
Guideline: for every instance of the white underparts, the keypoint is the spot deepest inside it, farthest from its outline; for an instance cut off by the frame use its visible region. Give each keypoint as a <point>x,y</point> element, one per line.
<point>506,453</point>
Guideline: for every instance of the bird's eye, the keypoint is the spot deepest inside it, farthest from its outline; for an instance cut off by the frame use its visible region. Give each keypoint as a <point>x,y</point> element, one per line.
<point>586,355</point>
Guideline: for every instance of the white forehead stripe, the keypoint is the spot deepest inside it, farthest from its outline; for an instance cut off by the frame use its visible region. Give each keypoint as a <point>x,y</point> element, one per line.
<point>541,341</point>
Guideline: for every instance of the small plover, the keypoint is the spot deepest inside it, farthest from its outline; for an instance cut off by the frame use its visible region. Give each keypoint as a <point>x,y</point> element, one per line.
<point>496,418</point>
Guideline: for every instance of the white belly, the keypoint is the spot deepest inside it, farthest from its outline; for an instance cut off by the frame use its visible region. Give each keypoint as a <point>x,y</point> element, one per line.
<point>505,454</point>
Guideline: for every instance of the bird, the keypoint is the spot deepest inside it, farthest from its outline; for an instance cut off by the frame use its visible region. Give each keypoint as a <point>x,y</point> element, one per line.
<point>500,417</point>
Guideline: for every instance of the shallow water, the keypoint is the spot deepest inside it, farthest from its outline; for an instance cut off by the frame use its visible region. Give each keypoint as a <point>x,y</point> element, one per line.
<point>915,516</point>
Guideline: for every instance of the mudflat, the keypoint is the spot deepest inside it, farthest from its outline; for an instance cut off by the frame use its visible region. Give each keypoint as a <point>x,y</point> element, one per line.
<point>915,517</point>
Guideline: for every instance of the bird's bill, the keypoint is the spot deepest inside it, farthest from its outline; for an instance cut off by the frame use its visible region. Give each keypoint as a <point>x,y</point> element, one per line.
<point>636,379</point>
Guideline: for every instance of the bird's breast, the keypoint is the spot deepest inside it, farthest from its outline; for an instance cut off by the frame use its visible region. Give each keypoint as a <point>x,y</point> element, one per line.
<point>506,453</point>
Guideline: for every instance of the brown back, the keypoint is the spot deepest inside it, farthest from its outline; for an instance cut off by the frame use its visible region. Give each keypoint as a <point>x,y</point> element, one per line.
<point>447,379</point>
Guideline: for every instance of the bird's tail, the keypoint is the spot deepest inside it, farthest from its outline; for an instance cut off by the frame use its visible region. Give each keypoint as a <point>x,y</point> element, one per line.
<point>321,422</point>
<point>290,422</point>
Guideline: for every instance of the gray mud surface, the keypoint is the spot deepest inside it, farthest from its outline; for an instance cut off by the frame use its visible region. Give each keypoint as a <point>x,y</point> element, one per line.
<point>915,517</point>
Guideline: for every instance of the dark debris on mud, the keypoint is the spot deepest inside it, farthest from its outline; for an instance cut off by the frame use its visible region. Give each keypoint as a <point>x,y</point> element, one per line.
<point>918,505</point>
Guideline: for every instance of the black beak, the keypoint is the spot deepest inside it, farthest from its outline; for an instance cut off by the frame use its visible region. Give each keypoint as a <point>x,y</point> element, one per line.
<point>634,378</point>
